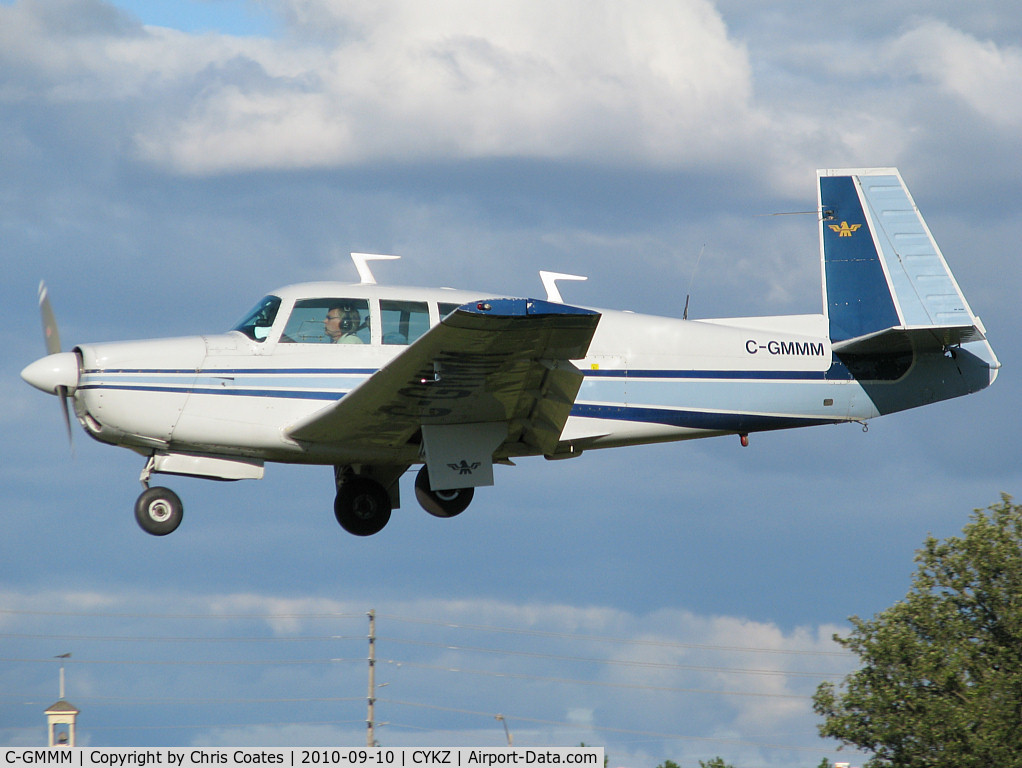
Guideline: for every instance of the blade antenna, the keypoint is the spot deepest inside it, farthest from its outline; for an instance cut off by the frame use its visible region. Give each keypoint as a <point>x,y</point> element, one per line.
<point>550,279</point>
<point>365,274</point>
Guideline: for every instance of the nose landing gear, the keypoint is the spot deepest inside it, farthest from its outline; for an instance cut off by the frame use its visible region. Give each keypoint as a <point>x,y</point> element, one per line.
<point>159,511</point>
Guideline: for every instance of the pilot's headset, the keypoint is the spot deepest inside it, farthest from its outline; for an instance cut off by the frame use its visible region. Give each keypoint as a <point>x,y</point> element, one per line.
<point>351,320</point>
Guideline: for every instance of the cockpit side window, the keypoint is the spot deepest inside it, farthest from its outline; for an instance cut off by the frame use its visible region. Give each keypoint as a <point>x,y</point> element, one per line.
<point>403,321</point>
<point>328,321</point>
<point>258,322</point>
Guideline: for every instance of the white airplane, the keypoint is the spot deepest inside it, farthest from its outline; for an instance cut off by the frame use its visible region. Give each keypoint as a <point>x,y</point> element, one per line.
<point>373,380</point>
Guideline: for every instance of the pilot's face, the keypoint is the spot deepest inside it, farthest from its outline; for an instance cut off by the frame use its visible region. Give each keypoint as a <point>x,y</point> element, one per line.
<point>332,324</point>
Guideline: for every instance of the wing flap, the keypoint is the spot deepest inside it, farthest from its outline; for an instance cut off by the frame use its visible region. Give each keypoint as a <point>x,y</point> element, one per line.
<point>502,360</point>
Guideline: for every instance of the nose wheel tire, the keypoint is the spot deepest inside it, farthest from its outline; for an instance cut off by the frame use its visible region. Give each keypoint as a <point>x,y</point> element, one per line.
<point>159,511</point>
<point>362,506</point>
<point>446,503</point>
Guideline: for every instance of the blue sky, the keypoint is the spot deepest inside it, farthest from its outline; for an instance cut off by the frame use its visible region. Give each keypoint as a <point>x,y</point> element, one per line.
<point>234,17</point>
<point>166,164</point>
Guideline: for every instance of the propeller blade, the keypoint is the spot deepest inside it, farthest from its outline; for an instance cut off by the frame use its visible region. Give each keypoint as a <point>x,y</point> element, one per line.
<point>63,395</point>
<point>50,331</point>
<point>52,336</point>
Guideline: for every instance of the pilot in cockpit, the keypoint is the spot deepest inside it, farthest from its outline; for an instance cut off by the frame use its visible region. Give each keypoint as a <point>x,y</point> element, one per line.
<point>341,324</point>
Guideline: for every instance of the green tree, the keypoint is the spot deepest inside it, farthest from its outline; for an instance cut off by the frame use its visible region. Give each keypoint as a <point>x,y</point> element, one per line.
<point>941,676</point>
<point>717,762</point>
<point>606,757</point>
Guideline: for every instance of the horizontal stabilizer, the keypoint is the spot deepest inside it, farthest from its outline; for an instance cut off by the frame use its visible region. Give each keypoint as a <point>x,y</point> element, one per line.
<point>894,340</point>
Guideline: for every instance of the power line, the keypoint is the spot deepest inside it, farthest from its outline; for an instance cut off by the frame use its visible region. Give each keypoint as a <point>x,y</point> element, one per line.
<point>231,616</point>
<point>606,639</point>
<point>198,662</point>
<point>116,701</point>
<point>597,683</point>
<point>612,662</point>
<point>431,622</point>
<point>426,644</point>
<point>208,726</point>
<point>182,639</point>
<point>604,729</point>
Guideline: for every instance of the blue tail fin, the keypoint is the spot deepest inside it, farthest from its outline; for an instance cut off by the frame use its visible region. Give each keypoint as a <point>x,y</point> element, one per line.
<point>884,276</point>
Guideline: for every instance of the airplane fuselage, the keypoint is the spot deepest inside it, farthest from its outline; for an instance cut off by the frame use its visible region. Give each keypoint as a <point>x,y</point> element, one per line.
<point>646,379</point>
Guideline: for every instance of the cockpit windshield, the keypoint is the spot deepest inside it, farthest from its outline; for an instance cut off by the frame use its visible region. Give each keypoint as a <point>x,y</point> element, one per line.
<point>256,324</point>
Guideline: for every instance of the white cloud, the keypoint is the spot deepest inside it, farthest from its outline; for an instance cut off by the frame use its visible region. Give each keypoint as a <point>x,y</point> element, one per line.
<point>658,85</point>
<point>406,81</point>
<point>985,76</point>
<point>559,673</point>
<point>400,80</point>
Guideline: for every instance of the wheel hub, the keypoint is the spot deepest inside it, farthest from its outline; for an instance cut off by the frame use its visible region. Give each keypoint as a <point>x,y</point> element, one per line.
<point>160,511</point>
<point>364,507</point>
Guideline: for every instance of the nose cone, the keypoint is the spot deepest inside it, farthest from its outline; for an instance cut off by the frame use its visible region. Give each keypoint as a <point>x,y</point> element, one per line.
<point>52,371</point>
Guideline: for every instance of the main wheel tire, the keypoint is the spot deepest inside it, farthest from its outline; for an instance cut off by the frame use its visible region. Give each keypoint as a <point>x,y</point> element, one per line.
<point>441,503</point>
<point>362,506</point>
<point>159,511</point>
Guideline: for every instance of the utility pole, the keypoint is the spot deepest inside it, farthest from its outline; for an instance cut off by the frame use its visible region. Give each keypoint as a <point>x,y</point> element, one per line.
<point>370,716</point>
<point>507,732</point>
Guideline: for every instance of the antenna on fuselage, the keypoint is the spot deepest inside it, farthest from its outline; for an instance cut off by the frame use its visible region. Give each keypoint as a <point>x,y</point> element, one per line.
<point>691,282</point>
<point>365,275</point>
<point>550,283</point>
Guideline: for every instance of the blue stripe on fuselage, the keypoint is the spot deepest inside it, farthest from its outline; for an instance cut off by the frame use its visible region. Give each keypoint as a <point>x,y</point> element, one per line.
<point>296,394</point>
<point>624,373</point>
<point>220,372</point>
<point>675,414</point>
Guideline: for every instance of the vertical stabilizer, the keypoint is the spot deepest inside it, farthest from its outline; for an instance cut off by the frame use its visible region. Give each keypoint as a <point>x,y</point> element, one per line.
<point>882,268</point>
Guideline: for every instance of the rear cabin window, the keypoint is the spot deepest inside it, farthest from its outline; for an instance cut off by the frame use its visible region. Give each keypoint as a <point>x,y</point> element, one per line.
<point>328,321</point>
<point>446,309</point>
<point>403,321</point>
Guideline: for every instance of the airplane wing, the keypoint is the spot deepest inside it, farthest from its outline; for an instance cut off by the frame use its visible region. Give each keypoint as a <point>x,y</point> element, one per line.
<point>493,372</point>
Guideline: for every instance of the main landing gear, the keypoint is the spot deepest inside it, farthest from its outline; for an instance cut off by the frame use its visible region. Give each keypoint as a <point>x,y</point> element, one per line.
<point>362,506</point>
<point>364,502</point>
<point>441,503</point>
